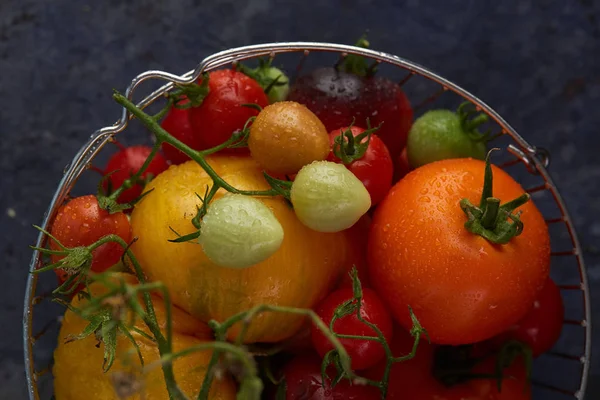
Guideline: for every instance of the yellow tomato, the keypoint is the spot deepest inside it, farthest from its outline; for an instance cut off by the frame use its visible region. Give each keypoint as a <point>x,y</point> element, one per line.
<point>299,274</point>
<point>287,136</point>
<point>78,370</point>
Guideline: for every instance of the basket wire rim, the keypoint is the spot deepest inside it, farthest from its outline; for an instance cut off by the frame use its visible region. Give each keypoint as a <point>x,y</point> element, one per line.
<point>100,137</point>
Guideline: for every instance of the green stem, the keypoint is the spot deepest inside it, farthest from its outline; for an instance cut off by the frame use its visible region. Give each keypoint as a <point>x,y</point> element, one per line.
<point>488,220</point>
<point>164,136</point>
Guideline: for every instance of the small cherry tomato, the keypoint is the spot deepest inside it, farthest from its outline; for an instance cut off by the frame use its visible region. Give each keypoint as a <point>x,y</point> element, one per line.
<point>287,136</point>
<point>363,353</point>
<point>82,222</point>
<point>327,197</point>
<point>370,163</point>
<point>222,112</point>
<point>239,231</point>
<point>303,381</point>
<point>542,326</point>
<point>127,162</point>
<point>177,123</point>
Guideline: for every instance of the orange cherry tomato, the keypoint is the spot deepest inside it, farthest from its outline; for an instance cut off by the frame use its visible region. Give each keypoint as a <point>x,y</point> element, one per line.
<point>462,287</point>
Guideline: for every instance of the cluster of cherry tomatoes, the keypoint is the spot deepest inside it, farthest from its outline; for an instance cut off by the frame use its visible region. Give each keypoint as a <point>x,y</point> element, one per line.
<point>472,289</point>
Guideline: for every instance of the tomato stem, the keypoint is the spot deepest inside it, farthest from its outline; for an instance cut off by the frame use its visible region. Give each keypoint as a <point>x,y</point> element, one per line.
<point>490,220</point>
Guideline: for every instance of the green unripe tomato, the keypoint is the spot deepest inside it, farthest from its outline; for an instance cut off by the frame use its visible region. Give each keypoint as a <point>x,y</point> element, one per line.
<point>442,134</point>
<point>327,197</point>
<point>239,231</point>
<point>280,90</point>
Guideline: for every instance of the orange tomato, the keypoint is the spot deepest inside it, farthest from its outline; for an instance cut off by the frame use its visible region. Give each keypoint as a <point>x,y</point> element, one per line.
<point>462,288</point>
<point>78,364</point>
<point>298,274</point>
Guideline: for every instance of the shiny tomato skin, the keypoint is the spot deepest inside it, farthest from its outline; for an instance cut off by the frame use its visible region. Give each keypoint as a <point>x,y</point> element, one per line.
<point>462,288</point>
<point>177,123</point>
<point>221,112</point>
<point>364,353</point>
<point>374,169</point>
<point>304,382</point>
<point>82,222</point>
<point>541,327</point>
<point>127,162</point>
<point>337,98</point>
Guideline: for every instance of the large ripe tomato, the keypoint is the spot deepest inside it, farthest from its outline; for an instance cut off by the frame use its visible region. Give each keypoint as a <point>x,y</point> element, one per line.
<point>374,168</point>
<point>82,222</point>
<point>364,353</point>
<point>304,382</point>
<point>77,368</point>
<point>127,162</point>
<point>542,325</point>
<point>177,123</point>
<point>286,136</point>
<point>299,274</point>
<point>338,97</point>
<point>462,288</point>
<point>221,112</point>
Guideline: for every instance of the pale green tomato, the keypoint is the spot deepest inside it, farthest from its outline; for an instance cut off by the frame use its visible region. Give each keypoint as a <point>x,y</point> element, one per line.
<point>239,231</point>
<point>280,90</point>
<point>327,197</point>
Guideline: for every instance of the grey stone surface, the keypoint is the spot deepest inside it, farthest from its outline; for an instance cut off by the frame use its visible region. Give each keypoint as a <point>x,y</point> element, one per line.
<point>535,62</point>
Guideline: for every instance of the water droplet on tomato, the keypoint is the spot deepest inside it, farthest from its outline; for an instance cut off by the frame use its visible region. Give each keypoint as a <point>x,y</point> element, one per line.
<point>424,191</point>
<point>424,199</point>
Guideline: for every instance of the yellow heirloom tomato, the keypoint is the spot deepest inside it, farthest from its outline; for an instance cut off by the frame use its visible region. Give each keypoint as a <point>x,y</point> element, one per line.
<point>298,274</point>
<point>78,364</point>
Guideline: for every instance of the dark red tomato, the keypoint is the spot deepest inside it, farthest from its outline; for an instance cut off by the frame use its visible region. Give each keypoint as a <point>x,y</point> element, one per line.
<point>357,235</point>
<point>412,379</point>
<point>82,222</point>
<point>541,327</point>
<point>364,353</point>
<point>337,97</point>
<point>303,382</point>
<point>401,166</point>
<point>374,168</point>
<point>177,123</point>
<point>221,112</point>
<point>127,162</point>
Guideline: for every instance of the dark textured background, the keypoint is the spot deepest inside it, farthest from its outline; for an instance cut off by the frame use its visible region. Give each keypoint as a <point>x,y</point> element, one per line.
<point>536,62</point>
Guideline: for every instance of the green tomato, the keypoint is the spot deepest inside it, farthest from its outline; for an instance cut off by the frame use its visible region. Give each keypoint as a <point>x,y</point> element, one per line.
<point>280,89</point>
<point>442,134</point>
<point>327,197</point>
<point>239,231</point>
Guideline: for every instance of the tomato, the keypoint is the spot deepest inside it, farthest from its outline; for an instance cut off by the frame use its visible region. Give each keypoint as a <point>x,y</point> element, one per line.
<point>374,168</point>
<point>177,123</point>
<point>127,162</point>
<point>239,231</point>
<point>82,222</point>
<point>327,197</point>
<point>462,287</point>
<point>338,97</point>
<point>364,353</point>
<point>413,379</point>
<point>286,136</point>
<point>273,80</point>
<point>358,235</point>
<point>441,134</point>
<point>299,274</point>
<point>77,367</point>
<point>221,112</point>
<point>542,325</point>
<point>304,382</point>
<point>401,166</point>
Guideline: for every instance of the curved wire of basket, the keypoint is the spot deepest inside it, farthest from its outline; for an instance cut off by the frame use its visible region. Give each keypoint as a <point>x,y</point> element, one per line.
<point>535,159</point>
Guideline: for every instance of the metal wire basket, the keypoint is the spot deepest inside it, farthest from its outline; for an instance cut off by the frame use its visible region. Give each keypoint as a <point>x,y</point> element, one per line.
<point>560,374</point>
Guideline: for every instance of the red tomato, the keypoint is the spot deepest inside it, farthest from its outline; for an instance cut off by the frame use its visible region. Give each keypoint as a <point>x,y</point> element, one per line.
<point>127,162</point>
<point>364,353</point>
<point>542,326</point>
<point>177,123</point>
<point>221,112</point>
<point>303,382</point>
<point>401,166</point>
<point>374,168</point>
<point>358,235</point>
<point>413,379</point>
<point>82,222</point>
